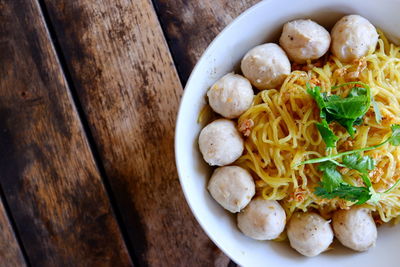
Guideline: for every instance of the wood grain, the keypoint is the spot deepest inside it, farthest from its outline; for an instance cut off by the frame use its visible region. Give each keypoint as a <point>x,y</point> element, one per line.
<point>10,252</point>
<point>129,90</point>
<point>190,26</point>
<point>47,171</point>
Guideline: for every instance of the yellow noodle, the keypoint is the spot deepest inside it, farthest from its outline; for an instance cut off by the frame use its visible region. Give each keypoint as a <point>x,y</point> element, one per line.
<point>284,133</point>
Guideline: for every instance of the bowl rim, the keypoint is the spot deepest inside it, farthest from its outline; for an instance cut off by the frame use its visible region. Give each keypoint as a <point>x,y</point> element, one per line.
<point>179,120</point>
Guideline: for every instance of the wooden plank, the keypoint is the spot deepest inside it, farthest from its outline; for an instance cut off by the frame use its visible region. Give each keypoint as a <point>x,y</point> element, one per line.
<point>10,252</point>
<point>47,171</point>
<point>129,90</point>
<point>190,26</point>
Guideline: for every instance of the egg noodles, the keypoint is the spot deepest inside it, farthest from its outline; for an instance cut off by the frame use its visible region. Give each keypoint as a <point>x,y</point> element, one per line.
<point>281,133</point>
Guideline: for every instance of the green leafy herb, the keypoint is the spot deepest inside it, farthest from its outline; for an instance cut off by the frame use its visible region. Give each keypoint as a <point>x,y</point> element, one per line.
<point>357,91</point>
<point>374,196</point>
<point>394,140</point>
<point>348,125</point>
<point>350,107</point>
<point>356,162</point>
<point>378,116</point>
<point>331,178</point>
<point>332,184</point>
<point>347,192</point>
<point>366,180</point>
<point>327,134</point>
<point>346,111</point>
<point>317,95</point>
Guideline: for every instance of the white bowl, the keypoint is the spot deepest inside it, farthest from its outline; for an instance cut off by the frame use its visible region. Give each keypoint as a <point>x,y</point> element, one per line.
<point>261,23</point>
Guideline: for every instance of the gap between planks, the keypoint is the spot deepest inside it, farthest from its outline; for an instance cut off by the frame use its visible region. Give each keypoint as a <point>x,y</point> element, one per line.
<point>14,245</point>
<point>121,99</point>
<point>30,182</point>
<point>86,128</point>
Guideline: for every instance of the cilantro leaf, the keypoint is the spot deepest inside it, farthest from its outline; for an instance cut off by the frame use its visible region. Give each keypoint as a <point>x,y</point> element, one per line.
<point>316,94</point>
<point>331,178</point>
<point>395,138</point>
<point>350,107</point>
<point>378,115</point>
<point>345,191</point>
<point>358,121</point>
<point>356,162</point>
<point>346,111</point>
<point>327,134</point>
<point>358,91</point>
<point>348,125</point>
<point>332,184</point>
<point>366,180</point>
<point>364,91</point>
<point>374,196</point>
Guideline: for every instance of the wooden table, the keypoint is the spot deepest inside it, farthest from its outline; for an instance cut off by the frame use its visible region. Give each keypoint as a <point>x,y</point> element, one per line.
<point>89,91</point>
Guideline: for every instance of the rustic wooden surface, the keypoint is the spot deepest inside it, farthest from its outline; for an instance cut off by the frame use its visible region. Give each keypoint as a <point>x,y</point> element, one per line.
<point>10,252</point>
<point>48,175</point>
<point>190,26</point>
<point>61,182</point>
<point>125,78</point>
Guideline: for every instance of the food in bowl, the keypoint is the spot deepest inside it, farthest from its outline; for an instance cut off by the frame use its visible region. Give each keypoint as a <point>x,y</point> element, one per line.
<point>266,66</point>
<point>304,40</point>
<point>320,138</point>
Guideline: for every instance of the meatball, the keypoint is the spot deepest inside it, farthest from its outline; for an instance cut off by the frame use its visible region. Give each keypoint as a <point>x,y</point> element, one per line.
<point>304,39</point>
<point>220,143</point>
<point>309,233</point>
<point>232,187</point>
<point>266,66</point>
<point>262,219</point>
<point>231,95</point>
<point>352,37</point>
<point>355,228</point>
